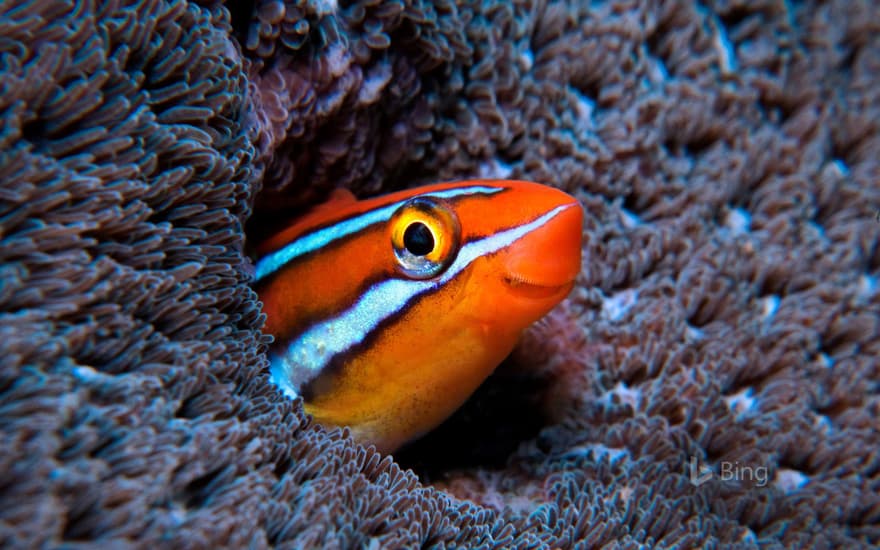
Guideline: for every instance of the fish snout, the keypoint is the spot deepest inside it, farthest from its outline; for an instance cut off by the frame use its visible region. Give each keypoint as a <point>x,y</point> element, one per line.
<point>546,261</point>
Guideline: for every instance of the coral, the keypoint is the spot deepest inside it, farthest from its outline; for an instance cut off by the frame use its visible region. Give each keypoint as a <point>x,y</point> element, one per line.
<point>727,315</point>
<point>126,182</point>
<point>344,107</point>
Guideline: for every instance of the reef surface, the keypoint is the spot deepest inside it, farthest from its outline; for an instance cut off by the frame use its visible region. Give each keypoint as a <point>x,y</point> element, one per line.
<point>713,381</point>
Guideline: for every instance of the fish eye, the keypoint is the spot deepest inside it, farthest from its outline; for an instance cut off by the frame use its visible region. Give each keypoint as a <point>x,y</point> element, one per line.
<point>425,236</point>
<point>417,238</point>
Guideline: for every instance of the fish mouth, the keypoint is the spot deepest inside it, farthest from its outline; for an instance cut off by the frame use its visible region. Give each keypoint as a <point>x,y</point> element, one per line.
<point>535,289</point>
<point>544,264</point>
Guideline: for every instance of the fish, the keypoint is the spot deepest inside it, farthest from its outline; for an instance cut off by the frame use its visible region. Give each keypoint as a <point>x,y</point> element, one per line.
<point>387,313</point>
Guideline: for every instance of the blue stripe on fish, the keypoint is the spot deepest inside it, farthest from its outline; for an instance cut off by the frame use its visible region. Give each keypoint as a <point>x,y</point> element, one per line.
<point>318,239</point>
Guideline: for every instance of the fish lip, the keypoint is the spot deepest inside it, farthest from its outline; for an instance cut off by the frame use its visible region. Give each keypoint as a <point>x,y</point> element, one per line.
<point>531,288</point>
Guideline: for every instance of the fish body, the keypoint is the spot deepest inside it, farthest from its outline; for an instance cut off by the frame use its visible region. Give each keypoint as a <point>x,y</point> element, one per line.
<point>389,312</point>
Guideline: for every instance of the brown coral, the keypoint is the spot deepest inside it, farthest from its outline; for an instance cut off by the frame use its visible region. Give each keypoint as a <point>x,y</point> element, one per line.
<point>727,314</point>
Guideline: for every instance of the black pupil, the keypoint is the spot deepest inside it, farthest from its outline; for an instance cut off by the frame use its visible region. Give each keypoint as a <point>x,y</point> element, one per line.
<point>418,239</point>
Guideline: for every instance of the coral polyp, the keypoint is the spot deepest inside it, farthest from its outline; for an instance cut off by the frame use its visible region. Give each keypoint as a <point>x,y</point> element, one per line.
<point>712,380</point>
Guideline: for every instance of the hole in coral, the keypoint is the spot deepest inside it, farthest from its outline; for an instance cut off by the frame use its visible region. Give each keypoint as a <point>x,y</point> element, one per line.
<point>240,15</point>
<point>503,413</point>
<point>79,520</point>
<point>275,210</point>
<point>282,467</point>
<point>632,207</point>
<point>200,489</point>
<point>849,58</point>
<point>654,45</point>
<point>587,94</point>
<point>735,16</point>
<point>186,410</point>
<point>34,131</point>
<point>690,146</point>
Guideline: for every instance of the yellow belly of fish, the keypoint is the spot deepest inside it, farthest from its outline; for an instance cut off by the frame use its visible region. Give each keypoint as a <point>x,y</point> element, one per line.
<point>404,386</point>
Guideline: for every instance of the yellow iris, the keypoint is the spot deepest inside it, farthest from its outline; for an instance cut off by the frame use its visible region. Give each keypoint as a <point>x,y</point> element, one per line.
<point>425,236</point>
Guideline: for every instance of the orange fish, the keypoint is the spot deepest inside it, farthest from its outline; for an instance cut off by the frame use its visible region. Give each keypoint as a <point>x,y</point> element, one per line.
<point>389,312</point>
